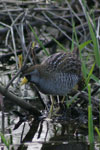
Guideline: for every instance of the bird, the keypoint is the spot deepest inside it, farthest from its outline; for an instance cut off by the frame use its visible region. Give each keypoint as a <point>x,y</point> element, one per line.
<point>57,75</point>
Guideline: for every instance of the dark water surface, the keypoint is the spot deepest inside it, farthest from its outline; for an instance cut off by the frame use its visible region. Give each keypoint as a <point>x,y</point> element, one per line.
<point>44,135</point>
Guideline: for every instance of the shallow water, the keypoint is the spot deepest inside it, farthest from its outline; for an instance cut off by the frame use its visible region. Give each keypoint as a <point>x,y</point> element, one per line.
<point>45,135</point>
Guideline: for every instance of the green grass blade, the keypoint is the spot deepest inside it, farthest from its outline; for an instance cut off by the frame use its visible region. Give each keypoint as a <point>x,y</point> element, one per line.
<point>81,46</point>
<point>7,143</point>
<point>95,45</point>
<point>90,73</point>
<point>40,43</point>
<point>90,125</point>
<point>98,132</point>
<point>93,77</point>
<point>90,118</point>
<point>84,69</point>
<point>72,100</point>
<point>72,45</point>
<point>93,35</point>
<point>59,44</point>
<point>89,93</point>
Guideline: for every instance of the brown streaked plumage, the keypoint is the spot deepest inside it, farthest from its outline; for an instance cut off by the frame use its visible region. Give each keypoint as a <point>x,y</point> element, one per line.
<point>57,75</point>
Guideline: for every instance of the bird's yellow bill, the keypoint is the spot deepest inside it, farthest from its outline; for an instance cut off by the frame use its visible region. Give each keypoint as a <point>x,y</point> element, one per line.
<point>24,81</point>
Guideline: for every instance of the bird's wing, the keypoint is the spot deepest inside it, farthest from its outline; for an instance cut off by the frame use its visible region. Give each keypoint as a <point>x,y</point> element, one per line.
<point>63,62</point>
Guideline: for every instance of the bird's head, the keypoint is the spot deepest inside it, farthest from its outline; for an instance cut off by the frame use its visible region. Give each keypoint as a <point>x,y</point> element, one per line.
<point>30,74</point>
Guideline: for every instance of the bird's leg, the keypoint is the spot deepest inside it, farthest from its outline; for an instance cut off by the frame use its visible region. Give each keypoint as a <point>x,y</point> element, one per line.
<point>58,100</point>
<point>61,103</point>
<point>61,106</point>
<point>51,107</point>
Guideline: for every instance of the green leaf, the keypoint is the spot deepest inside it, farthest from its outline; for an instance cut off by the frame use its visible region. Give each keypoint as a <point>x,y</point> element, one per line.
<point>81,46</point>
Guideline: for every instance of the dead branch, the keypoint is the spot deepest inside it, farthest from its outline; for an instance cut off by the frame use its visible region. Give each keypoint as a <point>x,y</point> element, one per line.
<point>20,102</point>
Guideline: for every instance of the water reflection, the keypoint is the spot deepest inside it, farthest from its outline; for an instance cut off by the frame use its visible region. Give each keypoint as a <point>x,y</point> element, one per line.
<point>48,135</point>
<point>69,146</point>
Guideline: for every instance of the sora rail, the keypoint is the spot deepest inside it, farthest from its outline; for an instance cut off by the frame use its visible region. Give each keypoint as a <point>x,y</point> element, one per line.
<point>57,75</point>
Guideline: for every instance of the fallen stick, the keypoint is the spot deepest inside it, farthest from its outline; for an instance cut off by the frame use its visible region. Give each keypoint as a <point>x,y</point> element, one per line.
<point>20,102</point>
